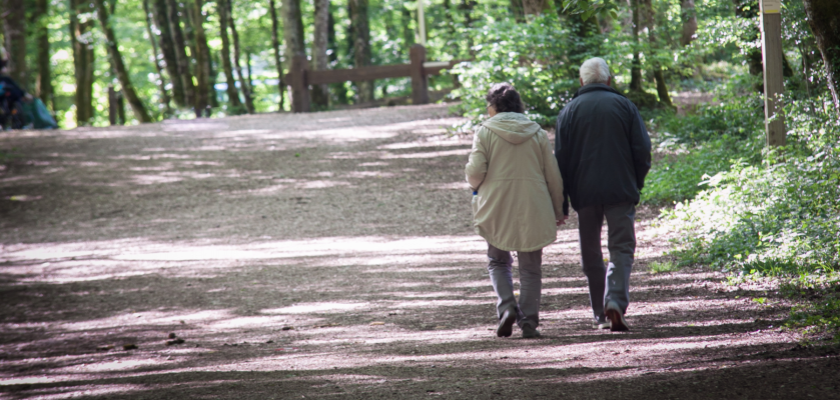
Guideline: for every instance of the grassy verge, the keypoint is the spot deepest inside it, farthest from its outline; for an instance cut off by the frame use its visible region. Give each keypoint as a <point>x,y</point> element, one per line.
<point>753,211</point>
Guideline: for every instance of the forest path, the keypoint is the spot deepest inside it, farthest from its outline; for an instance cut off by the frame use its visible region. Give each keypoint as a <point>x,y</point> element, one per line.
<point>330,255</point>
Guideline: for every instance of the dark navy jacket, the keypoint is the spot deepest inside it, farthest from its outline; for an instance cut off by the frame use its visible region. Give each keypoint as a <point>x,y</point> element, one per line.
<point>602,148</point>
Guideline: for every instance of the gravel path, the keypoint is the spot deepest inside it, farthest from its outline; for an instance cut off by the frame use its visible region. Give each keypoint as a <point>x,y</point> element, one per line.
<point>330,255</point>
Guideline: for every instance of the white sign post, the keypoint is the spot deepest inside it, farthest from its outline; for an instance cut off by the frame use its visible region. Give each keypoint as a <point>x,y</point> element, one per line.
<point>771,51</point>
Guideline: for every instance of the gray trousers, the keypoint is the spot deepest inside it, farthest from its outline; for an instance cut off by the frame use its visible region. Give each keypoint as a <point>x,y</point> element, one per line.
<point>611,282</point>
<point>500,268</point>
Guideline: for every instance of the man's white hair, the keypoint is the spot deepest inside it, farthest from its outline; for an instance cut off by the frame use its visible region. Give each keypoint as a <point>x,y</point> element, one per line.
<point>594,70</point>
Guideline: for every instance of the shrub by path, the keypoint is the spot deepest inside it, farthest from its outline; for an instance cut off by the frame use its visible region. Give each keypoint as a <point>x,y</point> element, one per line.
<point>329,255</point>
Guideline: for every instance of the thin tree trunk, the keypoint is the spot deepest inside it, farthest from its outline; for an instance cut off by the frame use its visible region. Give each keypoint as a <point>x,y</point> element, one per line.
<point>824,19</point>
<point>658,74</point>
<point>164,95</point>
<point>533,8</point>
<point>167,49</point>
<point>636,66</point>
<point>339,89</point>
<point>518,10</point>
<point>292,29</point>
<point>181,58</point>
<point>117,61</point>
<point>83,58</point>
<point>243,82</point>
<point>408,33</point>
<point>43,82</point>
<point>361,45</point>
<point>466,7</point>
<point>688,15</point>
<point>320,93</point>
<point>15,35</point>
<point>275,44</point>
<point>233,94</point>
<point>202,65</point>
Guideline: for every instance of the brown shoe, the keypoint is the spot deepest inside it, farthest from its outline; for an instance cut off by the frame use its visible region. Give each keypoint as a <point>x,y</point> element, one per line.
<point>616,317</point>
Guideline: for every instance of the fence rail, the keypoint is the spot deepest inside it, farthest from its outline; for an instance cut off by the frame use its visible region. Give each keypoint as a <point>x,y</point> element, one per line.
<point>300,77</point>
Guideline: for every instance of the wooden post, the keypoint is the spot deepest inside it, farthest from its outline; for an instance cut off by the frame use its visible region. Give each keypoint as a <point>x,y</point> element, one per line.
<point>112,105</point>
<point>300,88</point>
<point>771,51</point>
<point>419,80</point>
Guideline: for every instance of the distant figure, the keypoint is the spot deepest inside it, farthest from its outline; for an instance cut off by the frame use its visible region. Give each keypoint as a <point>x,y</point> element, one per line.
<point>517,204</point>
<point>10,96</point>
<point>603,150</point>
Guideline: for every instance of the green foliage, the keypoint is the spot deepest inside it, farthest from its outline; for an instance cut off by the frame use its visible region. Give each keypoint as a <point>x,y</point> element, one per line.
<point>657,267</point>
<point>540,58</point>
<point>776,215</point>
<point>695,146</point>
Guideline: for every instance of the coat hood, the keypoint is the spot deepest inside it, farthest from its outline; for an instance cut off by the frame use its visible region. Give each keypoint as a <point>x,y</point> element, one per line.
<point>515,128</point>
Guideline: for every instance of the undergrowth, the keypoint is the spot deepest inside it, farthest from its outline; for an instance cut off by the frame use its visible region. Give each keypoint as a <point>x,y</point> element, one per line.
<point>771,212</point>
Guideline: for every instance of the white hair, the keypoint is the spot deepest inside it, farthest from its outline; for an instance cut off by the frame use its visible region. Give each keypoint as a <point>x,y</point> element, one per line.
<point>594,70</point>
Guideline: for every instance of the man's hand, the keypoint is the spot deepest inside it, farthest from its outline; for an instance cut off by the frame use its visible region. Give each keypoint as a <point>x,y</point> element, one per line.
<point>562,221</point>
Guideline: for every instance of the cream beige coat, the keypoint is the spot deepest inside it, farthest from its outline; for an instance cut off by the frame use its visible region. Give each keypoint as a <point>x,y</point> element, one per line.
<point>520,191</point>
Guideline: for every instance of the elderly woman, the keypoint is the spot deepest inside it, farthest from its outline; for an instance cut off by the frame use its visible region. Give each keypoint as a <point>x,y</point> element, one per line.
<point>517,204</point>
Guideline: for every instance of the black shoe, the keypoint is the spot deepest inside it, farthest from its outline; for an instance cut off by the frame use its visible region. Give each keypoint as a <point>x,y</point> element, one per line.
<point>505,328</point>
<point>616,317</point>
<point>529,332</point>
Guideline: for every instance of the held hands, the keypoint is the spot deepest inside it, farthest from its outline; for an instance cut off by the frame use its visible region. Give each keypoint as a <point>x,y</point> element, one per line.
<point>562,221</point>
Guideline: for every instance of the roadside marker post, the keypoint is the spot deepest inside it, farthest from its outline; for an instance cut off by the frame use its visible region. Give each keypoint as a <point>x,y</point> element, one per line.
<point>771,52</point>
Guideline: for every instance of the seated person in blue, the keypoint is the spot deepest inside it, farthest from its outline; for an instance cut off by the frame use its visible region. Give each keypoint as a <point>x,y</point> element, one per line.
<point>9,89</point>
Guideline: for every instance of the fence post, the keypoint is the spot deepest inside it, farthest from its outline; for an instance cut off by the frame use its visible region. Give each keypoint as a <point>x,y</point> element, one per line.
<point>419,80</point>
<point>300,88</point>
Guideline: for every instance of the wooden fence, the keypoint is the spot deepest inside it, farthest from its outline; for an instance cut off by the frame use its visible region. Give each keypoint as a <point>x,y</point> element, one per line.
<point>300,77</point>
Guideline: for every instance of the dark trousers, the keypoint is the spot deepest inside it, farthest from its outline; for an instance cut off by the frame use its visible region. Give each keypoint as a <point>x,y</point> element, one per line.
<point>610,282</point>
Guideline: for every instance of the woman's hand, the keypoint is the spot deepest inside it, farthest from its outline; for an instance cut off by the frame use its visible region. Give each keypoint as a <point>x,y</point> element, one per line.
<point>562,221</point>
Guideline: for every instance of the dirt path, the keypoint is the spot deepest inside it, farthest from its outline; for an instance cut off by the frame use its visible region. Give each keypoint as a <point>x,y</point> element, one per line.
<point>329,255</point>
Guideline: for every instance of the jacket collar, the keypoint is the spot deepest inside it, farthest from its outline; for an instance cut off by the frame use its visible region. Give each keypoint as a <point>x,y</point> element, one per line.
<point>593,87</point>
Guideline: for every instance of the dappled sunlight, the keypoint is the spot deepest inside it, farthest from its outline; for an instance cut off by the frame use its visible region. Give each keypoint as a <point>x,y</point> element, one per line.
<point>315,308</point>
<point>319,254</point>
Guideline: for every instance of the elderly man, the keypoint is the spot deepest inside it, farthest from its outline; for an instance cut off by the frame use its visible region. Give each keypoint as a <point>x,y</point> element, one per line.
<point>603,152</point>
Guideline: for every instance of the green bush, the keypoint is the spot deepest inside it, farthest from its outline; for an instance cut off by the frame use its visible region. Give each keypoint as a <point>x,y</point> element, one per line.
<point>541,59</point>
<point>778,216</point>
<point>720,134</point>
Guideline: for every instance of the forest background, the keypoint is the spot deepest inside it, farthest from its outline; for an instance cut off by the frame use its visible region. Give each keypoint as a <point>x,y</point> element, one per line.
<point>767,216</point>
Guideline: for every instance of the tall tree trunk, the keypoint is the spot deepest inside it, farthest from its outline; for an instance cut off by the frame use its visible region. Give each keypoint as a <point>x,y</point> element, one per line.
<point>15,35</point>
<point>408,33</point>
<point>824,19</point>
<point>292,29</point>
<point>83,57</point>
<point>320,93</point>
<point>233,94</point>
<point>636,66</point>
<point>658,74</point>
<point>361,45</point>
<point>116,59</point>
<point>180,45</point>
<point>202,56</point>
<point>43,83</point>
<point>164,94</point>
<point>167,48</point>
<point>243,81</point>
<point>688,14</point>
<point>518,10</point>
<point>338,89</point>
<point>533,8</point>
<point>275,44</point>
